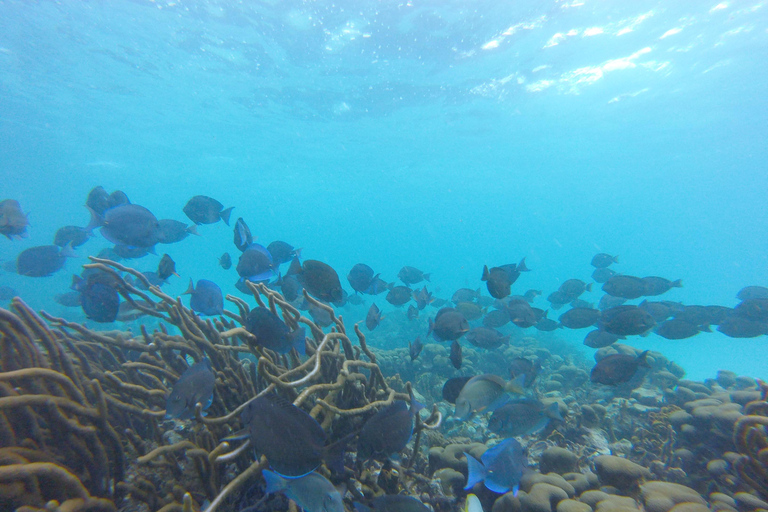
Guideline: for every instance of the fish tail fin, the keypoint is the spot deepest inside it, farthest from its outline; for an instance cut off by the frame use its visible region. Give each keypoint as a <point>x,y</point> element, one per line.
<point>275,483</point>
<point>516,385</point>
<point>426,277</point>
<point>67,251</point>
<point>616,259</point>
<point>295,267</point>
<point>96,220</point>
<point>473,504</point>
<point>588,287</point>
<point>415,405</point>
<point>553,411</point>
<point>192,230</point>
<point>705,328</point>
<point>486,274</point>
<point>641,359</point>
<point>521,266</point>
<point>299,342</point>
<point>190,288</point>
<point>334,453</point>
<point>224,215</point>
<point>476,471</point>
<point>677,283</point>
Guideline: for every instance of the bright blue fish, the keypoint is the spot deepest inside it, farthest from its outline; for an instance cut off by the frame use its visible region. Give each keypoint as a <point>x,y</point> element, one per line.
<point>501,467</point>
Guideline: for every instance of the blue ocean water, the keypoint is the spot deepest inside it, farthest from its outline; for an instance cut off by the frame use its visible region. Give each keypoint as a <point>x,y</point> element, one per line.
<point>444,135</point>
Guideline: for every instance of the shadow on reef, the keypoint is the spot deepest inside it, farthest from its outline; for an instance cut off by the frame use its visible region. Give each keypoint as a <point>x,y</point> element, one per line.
<point>83,426</point>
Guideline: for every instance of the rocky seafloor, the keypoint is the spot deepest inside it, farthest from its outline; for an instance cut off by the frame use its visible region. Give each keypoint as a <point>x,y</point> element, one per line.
<point>83,427</point>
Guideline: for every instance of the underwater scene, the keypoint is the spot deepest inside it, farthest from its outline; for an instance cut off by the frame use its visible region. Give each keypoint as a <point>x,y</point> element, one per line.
<point>390,256</point>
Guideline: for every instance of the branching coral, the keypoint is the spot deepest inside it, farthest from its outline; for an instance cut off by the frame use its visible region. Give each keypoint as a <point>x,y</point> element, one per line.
<point>82,411</point>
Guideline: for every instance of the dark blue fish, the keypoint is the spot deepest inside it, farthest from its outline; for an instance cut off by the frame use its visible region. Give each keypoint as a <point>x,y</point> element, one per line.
<point>377,286</point>
<point>318,278</point>
<point>98,200</point>
<point>206,299</point>
<point>388,431</point>
<point>448,325</point>
<point>293,442</point>
<point>173,231</point>
<point>194,386</point>
<point>74,236</point>
<point>42,261</point>
<point>100,301</point>
<point>206,210</point>
<point>412,275</point>
<point>129,225</point>
<point>243,237</point>
<point>255,264</point>
<point>360,277</point>
<point>415,348</point>
<point>225,260</point>
<point>166,268</point>
<point>373,317</point>
<point>522,417</point>
<point>452,388</point>
<point>600,339</point>
<point>272,333</point>
<point>129,252</point>
<point>617,368</point>
<point>282,252</point>
<point>290,288</point>
<point>455,356</point>
<point>500,467</point>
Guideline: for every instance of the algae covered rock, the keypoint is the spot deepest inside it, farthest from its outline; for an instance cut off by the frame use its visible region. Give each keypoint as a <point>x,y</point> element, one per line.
<point>662,496</point>
<point>615,503</point>
<point>582,482</point>
<point>531,478</point>
<point>452,456</point>
<point>451,480</point>
<point>558,460</point>
<point>573,506</point>
<point>543,497</point>
<point>746,502</point>
<point>620,473</point>
<point>507,503</point>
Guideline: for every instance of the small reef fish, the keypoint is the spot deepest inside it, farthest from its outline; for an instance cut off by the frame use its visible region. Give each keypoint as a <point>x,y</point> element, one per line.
<point>500,468</point>
<point>242,235</point>
<point>485,392</point>
<point>206,210</point>
<point>412,275</point>
<point>272,333</point>
<point>448,325</point>
<point>292,441</point>
<point>522,417</point>
<point>312,492</point>
<point>388,431</point>
<point>603,260</point>
<point>617,368</point>
<point>206,299</point>
<point>194,386</point>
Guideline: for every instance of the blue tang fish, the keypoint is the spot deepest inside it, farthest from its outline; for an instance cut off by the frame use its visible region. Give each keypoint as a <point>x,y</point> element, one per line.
<point>195,385</point>
<point>206,298</point>
<point>501,467</point>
